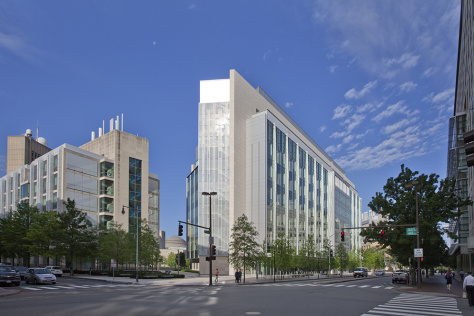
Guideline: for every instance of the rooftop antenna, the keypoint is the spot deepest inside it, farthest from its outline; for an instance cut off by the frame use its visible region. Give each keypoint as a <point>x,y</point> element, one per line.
<point>37,130</point>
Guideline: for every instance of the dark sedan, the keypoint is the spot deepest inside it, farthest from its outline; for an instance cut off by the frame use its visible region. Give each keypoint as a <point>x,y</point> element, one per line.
<point>21,271</point>
<point>9,276</point>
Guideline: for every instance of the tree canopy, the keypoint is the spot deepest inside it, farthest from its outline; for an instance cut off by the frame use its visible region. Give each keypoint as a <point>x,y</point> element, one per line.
<point>437,203</point>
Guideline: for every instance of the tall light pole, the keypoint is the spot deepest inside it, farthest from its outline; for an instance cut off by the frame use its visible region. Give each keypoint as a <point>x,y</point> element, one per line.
<point>210,194</point>
<point>136,216</point>
<point>418,262</point>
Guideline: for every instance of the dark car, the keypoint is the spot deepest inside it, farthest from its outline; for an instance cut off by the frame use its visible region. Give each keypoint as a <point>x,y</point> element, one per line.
<point>9,276</point>
<point>21,271</point>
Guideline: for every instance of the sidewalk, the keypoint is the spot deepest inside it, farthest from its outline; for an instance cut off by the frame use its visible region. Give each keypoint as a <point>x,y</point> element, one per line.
<point>436,285</point>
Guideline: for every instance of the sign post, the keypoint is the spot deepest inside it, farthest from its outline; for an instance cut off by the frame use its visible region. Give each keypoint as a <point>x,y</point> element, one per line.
<point>113,264</point>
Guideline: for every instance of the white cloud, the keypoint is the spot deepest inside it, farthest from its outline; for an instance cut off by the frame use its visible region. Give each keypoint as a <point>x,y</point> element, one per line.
<point>402,123</point>
<point>338,134</point>
<point>322,129</point>
<point>353,94</point>
<point>386,51</point>
<point>408,86</point>
<point>369,107</point>
<point>406,61</point>
<point>428,72</point>
<point>341,111</point>
<point>352,122</point>
<point>440,97</point>
<point>394,109</point>
<point>192,6</point>
<point>333,149</point>
<point>288,105</point>
<point>332,69</point>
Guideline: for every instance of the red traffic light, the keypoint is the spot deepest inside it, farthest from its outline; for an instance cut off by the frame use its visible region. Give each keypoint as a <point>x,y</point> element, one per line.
<point>342,236</point>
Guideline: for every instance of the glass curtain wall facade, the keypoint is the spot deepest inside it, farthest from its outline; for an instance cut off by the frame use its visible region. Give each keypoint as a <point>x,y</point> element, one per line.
<point>213,174</point>
<point>297,211</point>
<point>459,165</point>
<point>192,216</point>
<point>134,194</point>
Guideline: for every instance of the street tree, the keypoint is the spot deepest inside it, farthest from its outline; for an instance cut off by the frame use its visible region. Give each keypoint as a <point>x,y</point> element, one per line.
<point>15,229</point>
<point>438,201</point>
<point>115,244</point>
<point>342,257</point>
<point>284,253</point>
<point>243,249</point>
<point>42,234</point>
<point>171,261</point>
<point>149,246</point>
<point>354,259</point>
<point>76,238</point>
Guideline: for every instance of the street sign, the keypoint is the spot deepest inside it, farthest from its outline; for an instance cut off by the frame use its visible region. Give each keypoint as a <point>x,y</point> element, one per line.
<point>113,263</point>
<point>418,252</point>
<point>411,231</point>
<point>213,258</point>
<point>207,232</point>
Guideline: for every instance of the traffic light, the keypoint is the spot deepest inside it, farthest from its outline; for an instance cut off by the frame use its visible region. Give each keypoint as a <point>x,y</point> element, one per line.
<point>180,230</point>
<point>331,254</point>
<point>342,236</point>
<point>382,234</point>
<point>213,250</point>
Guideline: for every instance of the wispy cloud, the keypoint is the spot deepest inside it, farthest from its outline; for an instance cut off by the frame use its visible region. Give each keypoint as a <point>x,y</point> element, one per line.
<point>192,6</point>
<point>388,51</point>
<point>393,109</point>
<point>322,128</point>
<point>440,97</point>
<point>352,122</point>
<point>354,94</point>
<point>369,107</point>
<point>398,125</point>
<point>408,86</point>
<point>341,111</point>
<point>332,69</point>
<point>16,46</point>
<point>288,105</point>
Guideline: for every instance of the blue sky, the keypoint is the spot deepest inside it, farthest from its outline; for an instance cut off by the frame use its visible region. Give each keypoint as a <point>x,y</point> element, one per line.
<point>372,82</point>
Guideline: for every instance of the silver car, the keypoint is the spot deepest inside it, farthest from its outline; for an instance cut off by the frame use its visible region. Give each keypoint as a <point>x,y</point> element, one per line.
<point>39,276</point>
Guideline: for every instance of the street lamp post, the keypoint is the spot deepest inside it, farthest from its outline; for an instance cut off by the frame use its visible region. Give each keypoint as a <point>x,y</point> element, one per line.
<point>210,194</point>
<point>136,217</point>
<point>418,262</point>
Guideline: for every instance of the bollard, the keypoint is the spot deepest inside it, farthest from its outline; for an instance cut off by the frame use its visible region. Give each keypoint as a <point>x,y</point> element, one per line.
<point>407,279</point>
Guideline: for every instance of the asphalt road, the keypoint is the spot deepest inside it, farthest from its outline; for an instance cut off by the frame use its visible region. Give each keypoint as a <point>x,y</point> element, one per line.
<point>88,297</point>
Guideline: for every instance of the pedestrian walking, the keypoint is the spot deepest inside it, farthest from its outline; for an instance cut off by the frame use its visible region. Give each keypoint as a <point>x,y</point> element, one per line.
<point>217,275</point>
<point>462,275</point>
<point>468,287</point>
<point>236,276</point>
<point>240,276</point>
<point>449,279</point>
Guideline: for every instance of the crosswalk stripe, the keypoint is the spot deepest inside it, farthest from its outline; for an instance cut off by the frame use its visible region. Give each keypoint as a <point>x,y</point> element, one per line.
<point>49,288</point>
<point>31,288</point>
<point>376,287</point>
<point>362,286</point>
<point>389,287</point>
<point>416,305</point>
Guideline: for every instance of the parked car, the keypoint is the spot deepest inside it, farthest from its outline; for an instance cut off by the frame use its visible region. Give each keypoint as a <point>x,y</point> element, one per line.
<point>9,276</point>
<point>39,275</point>
<point>399,276</point>
<point>361,272</point>
<point>55,270</point>
<point>21,271</point>
<point>380,273</point>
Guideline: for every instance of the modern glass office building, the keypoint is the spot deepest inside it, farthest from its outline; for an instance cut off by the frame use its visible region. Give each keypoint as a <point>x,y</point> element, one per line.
<point>262,164</point>
<point>461,140</point>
